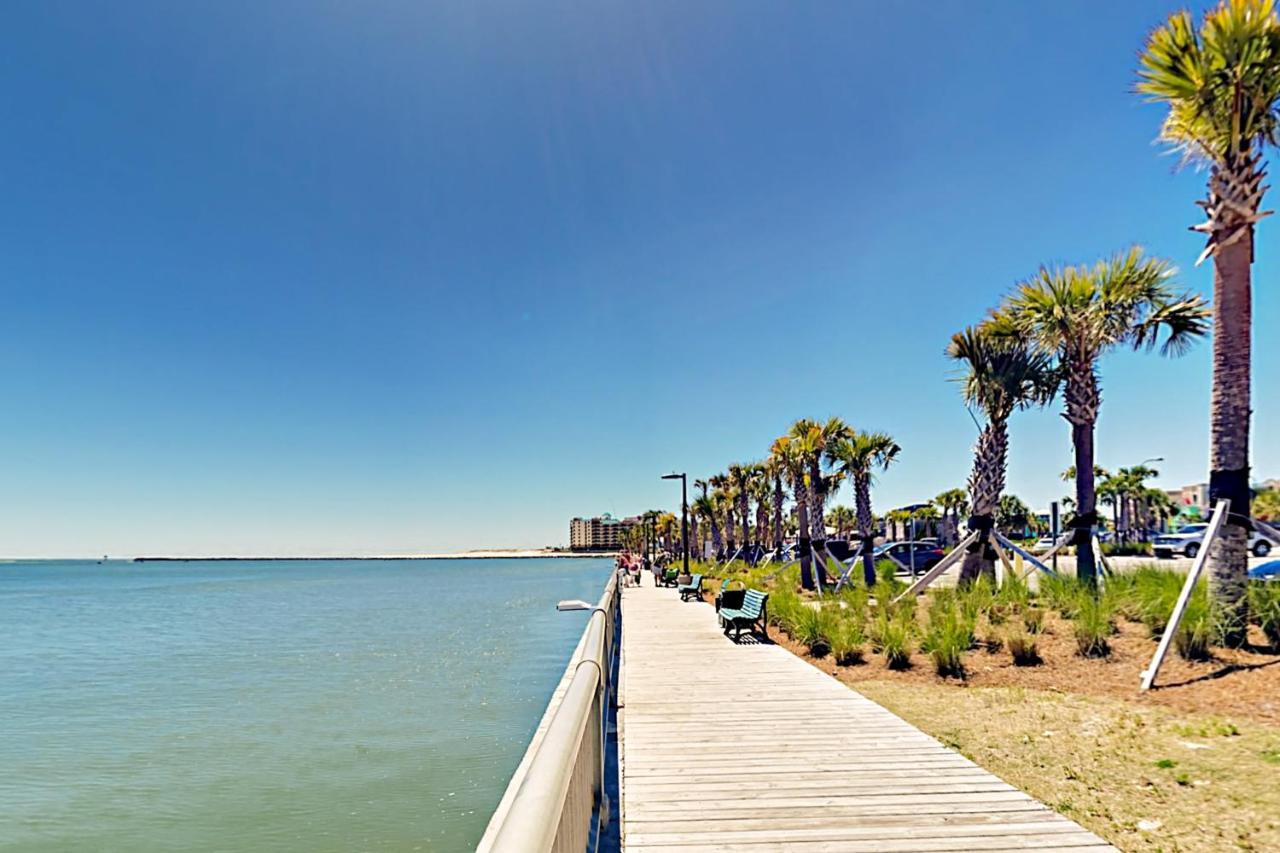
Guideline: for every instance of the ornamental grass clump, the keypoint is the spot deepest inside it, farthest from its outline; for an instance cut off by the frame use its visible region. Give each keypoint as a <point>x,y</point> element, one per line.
<point>948,636</point>
<point>1093,624</point>
<point>1264,604</point>
<point>848,639</point>
<point>977,598</point>
<point>812,629</point>
<point>1196,630</point>
<point>1024,646</point>
<point>1155,591</point>
<point>1062,593</point>
<point>892,636</point>
<point>1033,620</point>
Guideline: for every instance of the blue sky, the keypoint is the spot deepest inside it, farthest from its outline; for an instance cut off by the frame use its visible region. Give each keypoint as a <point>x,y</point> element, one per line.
<point>385,277</point>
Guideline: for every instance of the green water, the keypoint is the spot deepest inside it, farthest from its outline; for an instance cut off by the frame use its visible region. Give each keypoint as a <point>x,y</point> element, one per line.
<point>336,705</point>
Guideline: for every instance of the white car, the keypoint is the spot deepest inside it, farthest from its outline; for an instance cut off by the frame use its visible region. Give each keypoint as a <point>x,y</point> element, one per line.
<point>1186,542</point>
<point>1043,544</point>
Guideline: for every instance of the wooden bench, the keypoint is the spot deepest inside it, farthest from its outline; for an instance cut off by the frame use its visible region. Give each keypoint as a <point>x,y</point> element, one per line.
<point>752,612</point>
<point>692,589</point>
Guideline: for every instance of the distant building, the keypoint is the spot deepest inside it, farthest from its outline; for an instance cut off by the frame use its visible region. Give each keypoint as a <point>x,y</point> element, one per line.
<point>1190,500</point>
<point>603,533</point>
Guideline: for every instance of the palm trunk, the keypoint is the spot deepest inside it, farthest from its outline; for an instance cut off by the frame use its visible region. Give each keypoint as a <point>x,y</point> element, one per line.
<point>817,519</point>
<point>1229,433</point>
<point>695,544</point>
<point>777,515</point>
<point>744,512</point>
<point>730,539</point>
<point>986,484</point>
<point>715,538</point>
<point>802,532</point>
<point>1082,398</point>
<point>862,506</point>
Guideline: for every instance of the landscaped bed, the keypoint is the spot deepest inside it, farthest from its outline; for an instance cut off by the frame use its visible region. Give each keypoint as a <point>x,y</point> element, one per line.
<point>1193,764</point>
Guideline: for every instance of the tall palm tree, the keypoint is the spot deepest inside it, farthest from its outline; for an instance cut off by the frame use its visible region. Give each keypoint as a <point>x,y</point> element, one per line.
<point>952,502</point>
<point>1003,373</point>
<point>772,469</point>
<point>1079,313</point>
<point>843,519</point>
<point>762,494</point>
<point>723,484</point>
<point>813,438</point>
<point>857,457</point>
<point>741,476</point>
<point>719,505</point>
<point>1222,86</point>
<point>786,450</point>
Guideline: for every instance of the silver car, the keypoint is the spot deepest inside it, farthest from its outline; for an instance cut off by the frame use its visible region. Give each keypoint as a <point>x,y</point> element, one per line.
<point>1186,542</point>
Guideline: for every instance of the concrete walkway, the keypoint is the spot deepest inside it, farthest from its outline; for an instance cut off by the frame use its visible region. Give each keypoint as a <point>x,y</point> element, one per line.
<point>746,747</point>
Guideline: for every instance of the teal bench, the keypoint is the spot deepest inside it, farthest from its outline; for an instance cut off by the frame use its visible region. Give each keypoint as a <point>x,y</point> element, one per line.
<point>692,589</point>
<point>752,612</point>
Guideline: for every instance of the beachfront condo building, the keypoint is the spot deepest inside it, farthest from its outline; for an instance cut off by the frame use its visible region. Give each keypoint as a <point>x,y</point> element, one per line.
<point>603,533</point>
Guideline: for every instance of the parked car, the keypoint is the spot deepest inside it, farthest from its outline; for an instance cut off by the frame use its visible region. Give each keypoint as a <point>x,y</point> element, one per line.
<point>1043,544</point>
<point>1186,542</point>
<point>1266,572</point>
<point>914,556</point>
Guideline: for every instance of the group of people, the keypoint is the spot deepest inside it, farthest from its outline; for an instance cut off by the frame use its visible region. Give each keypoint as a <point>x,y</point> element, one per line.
<point>630,565</point>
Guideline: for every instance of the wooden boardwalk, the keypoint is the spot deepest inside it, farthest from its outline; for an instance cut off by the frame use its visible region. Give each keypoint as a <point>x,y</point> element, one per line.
<point>746,747</point>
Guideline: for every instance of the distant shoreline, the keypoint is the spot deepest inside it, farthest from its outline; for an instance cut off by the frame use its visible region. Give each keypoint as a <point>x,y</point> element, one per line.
<point>494,554</point>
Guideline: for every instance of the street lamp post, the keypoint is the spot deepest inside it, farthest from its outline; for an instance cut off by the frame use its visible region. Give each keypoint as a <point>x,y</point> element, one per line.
<point>684,514</point>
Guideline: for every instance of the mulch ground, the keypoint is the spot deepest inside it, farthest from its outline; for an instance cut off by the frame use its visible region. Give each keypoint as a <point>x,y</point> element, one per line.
<point>1242,683</point>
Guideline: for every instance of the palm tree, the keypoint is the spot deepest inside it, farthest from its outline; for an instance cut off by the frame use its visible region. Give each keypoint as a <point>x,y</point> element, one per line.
<point>1266,506</point>
<point>772,470</point>
<point>857,457</point>
<point>762,493</point>
<point>723,484</point>
<point>1079,313</point>
<point>952,502</point>
<point>717,505</point>
<point>1222,87</point>
<point>785,449</point>
<point>842,518</point>
<point>1003,373</point>
<point>741,476</point>
<point>1012,513</point>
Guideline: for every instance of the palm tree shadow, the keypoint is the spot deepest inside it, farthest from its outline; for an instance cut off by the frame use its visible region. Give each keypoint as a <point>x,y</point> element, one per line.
<point>1222,672</point>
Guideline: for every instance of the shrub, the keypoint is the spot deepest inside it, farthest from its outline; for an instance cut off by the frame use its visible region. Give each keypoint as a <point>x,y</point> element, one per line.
<point>1093,624</point>
<point>1264,604</point>
<point>1024,646</point>
<point>848,639</point>
<point>893,637</point>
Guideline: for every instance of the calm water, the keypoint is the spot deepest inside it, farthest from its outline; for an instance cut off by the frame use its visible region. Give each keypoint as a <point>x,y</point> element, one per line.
<point>273,706</point>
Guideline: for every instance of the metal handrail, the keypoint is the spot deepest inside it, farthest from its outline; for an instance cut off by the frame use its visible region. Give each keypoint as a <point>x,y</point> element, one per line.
<point>560,803</point>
